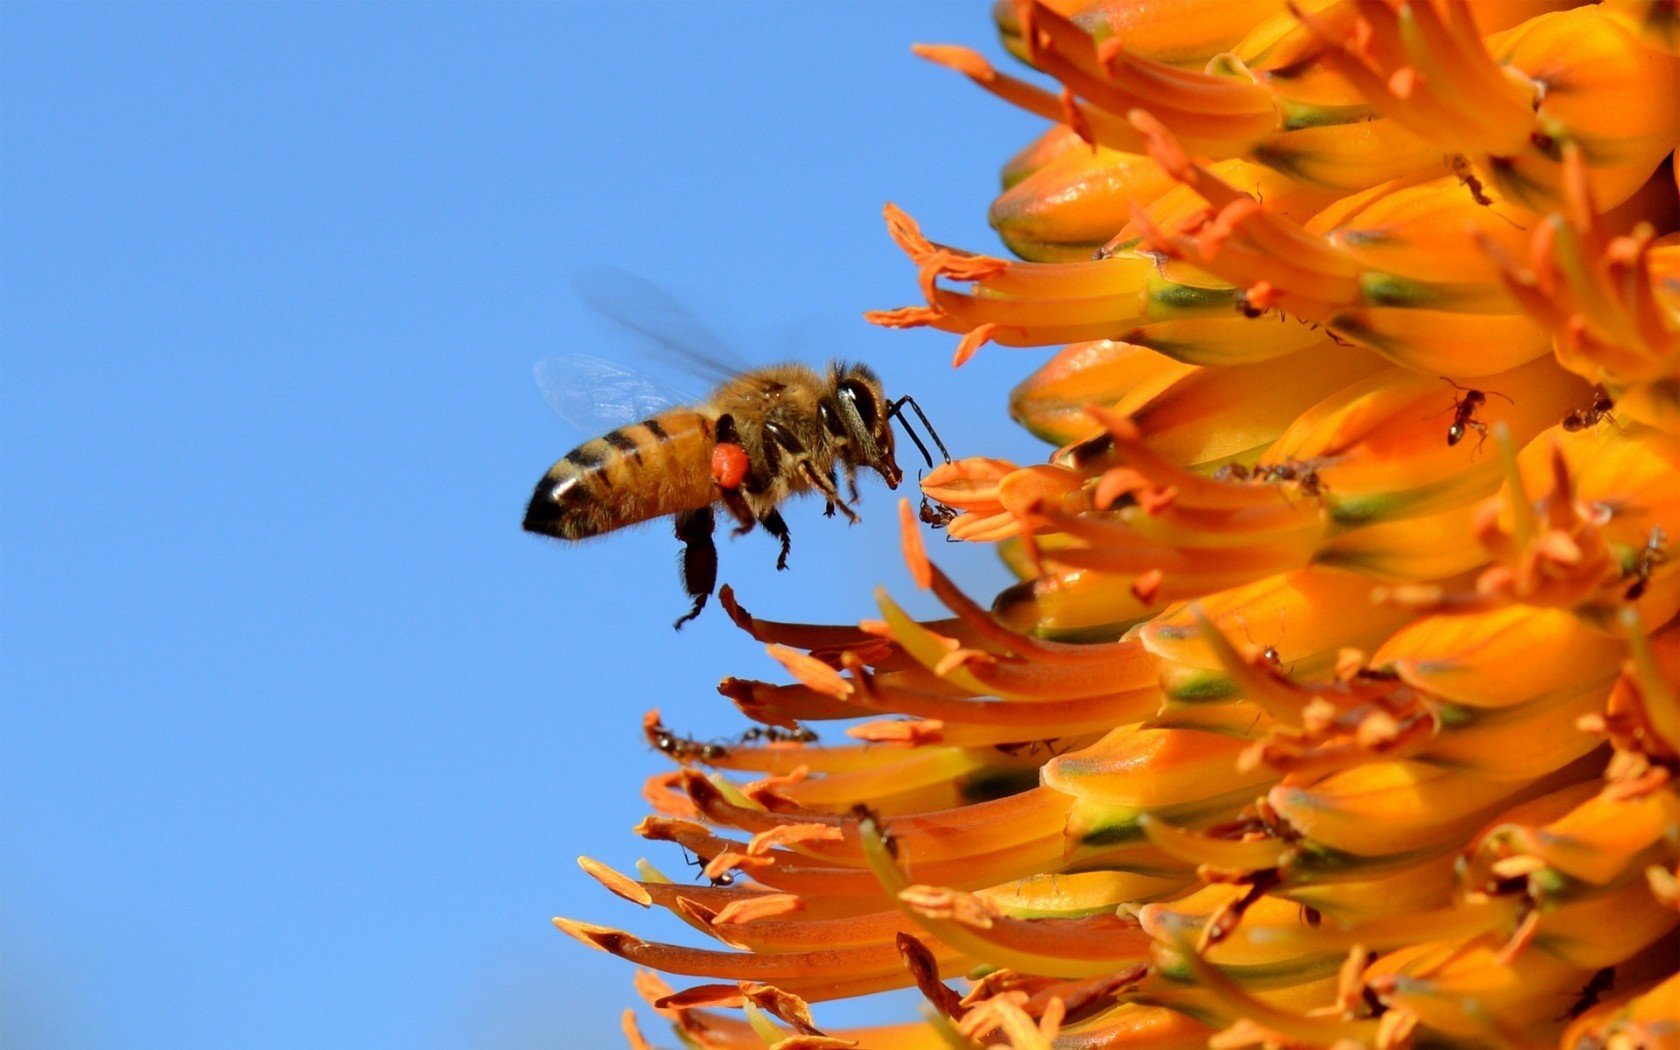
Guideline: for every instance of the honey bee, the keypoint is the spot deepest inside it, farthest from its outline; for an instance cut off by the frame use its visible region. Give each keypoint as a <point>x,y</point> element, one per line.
<point>763,436</point>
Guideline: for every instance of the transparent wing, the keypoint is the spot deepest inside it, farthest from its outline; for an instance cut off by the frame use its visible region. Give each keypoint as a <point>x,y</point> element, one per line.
<point>667,333</point>
<point>596,395</point>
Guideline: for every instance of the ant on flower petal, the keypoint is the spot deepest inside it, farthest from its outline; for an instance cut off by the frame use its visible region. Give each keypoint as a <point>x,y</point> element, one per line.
<point>1464,413</point>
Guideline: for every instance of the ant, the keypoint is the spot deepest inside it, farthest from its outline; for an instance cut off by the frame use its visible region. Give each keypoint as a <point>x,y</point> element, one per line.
<point>773,735</point>
<point>1596,986</point>
<point>694,860</point>
<point>936,514</point>
<point>1269,654</point>
<point>1653,554</point>
<point>682,748</point>
<point>1583,418</point>
<point>1303,473</point>
<point>1464,413</point>
<point>1248,309</point>
<point>1460,165</point>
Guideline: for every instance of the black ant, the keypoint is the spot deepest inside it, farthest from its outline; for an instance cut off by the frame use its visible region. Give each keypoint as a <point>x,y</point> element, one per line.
<point>1596,986</point>
<point>694,860</point>
<point>1303,473</point>
<point>936,514</point>
<point>1653,554</point>
<point>773,735</point>
<point>1464,413</point>
<point>682,748</point>
<point>1583,418</point>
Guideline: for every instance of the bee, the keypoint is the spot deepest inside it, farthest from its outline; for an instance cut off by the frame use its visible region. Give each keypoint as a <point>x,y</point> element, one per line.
<point>1464,413</point>
<point>763,436</point>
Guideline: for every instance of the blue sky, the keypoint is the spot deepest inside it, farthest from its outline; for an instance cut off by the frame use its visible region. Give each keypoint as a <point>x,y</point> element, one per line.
<point>301,735</point>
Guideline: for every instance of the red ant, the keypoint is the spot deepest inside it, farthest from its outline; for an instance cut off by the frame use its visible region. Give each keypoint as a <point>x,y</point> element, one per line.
<point>1582,418</point>
<point>1464,413</point>
<point>1460,165</point>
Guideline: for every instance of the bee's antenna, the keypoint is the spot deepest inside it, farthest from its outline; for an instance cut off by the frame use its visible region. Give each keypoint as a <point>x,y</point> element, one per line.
<point>897,410</point>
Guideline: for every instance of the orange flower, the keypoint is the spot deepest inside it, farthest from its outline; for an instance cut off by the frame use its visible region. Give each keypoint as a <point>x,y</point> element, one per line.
<point>1336,702</point>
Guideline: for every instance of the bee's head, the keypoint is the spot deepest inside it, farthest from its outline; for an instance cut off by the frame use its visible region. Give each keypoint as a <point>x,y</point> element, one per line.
<point>858,416</point>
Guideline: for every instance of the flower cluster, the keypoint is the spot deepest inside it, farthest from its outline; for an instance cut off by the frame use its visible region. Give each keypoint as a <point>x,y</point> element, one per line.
<point>1338,703</point>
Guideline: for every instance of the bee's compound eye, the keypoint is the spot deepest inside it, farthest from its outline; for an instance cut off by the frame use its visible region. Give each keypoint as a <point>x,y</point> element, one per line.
<point>862,402</point>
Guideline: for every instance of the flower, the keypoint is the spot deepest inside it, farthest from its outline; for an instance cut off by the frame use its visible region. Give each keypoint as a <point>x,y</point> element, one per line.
<point>1338,701</point>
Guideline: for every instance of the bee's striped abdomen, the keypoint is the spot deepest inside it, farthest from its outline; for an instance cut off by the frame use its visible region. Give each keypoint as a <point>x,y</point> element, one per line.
<point>646,470</point>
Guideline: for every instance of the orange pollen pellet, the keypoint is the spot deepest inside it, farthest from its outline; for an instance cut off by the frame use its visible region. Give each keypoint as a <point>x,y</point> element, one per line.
<point>729,465</point>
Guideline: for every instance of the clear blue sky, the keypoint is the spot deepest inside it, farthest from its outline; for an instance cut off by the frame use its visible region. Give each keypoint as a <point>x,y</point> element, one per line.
<point>301,735</point>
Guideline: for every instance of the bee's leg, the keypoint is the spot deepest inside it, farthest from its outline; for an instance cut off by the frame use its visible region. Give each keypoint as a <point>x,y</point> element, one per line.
<point>791,445</point>
<point>699,558</point>
<point>851,482</point>
<point>775,526</point>
<point>828,506</point>
<point>826,486</point>
<point>738,509</point>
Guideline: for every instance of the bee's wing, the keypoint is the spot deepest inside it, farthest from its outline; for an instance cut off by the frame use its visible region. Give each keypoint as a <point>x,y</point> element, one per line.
<point>668,332</point>
<point>595,395</point>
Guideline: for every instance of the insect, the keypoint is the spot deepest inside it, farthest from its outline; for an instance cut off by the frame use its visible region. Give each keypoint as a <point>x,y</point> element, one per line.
<point>1464,413</point>
<point>1460,166</point>
<point>774,735</point>
<point>1303,473</point>
<point>1653,554</point>
<point>762,436</point>
<point>694,860</point>
<point>682,748</point>
<point>1583,418</point>
<point>1599,983</point>
<point>936,514</point>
